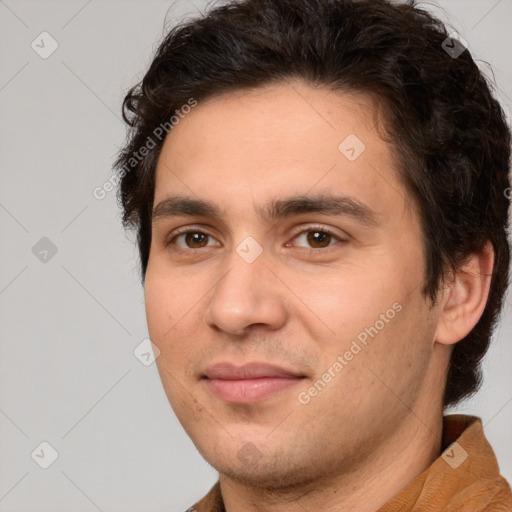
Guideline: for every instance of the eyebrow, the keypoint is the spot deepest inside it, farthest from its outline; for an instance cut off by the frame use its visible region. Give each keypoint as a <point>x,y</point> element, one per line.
<point>338,205</point>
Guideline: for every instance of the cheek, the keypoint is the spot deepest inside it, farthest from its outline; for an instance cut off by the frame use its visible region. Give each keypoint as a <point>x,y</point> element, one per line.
<point>156,304</point>
<point>161,303</point>
<point>163,314</point>
<point>169,303</point>
<point>344,301</point>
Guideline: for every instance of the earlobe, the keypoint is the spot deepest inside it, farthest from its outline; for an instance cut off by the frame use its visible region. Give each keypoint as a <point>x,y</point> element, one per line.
<point>465,297</point>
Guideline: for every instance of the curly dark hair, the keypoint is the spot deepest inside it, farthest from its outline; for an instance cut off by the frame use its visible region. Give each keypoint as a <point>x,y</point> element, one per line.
<point>449,132</point>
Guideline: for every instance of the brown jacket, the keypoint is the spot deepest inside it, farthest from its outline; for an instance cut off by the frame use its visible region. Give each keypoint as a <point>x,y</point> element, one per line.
<point>465,478</point>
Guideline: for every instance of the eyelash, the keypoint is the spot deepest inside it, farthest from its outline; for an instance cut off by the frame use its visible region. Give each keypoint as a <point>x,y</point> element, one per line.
<point>306,230</point>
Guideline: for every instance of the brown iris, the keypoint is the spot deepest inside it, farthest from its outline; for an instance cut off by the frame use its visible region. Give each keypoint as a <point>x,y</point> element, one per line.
<point>315,237</point>
<point>196,238</point>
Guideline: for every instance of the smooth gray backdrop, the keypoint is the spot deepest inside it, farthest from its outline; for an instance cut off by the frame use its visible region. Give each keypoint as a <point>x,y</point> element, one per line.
<point>71,305</point>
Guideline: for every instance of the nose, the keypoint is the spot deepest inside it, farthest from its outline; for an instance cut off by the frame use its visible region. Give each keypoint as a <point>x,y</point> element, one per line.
<point>247,295</point>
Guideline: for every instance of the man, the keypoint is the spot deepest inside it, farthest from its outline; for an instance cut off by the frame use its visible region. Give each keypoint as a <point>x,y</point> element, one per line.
<point>319,191</point>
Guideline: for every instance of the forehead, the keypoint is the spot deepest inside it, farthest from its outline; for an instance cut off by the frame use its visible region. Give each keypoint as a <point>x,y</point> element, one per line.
<point>277,141</point>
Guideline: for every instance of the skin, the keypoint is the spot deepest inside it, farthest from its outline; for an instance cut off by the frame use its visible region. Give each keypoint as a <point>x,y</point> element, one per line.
<point>377,424</point>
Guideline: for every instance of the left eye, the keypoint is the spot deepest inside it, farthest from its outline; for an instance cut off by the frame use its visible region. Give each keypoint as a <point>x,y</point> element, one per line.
<point>318,238</point>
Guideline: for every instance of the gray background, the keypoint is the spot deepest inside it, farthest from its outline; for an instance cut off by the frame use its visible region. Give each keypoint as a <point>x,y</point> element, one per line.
<point>69,324</point>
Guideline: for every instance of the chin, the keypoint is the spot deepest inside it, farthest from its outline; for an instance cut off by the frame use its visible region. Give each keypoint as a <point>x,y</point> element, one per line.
<point>250,467</point>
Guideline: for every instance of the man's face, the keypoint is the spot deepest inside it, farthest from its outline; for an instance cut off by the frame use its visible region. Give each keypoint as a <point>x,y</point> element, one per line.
<point>333,298</point>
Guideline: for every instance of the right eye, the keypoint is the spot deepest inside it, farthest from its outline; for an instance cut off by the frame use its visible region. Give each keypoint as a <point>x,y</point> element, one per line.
<point>192,238</point>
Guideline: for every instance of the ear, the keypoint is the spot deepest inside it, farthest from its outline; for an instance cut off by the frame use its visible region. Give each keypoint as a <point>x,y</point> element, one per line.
<point>464,298</point>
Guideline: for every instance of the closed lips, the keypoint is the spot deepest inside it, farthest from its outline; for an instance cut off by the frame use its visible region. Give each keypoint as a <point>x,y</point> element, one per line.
<point>228,371</point>
<point>250,383</point>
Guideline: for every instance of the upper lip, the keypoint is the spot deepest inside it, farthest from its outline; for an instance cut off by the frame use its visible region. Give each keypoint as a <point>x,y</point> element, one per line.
<point>229,371</point>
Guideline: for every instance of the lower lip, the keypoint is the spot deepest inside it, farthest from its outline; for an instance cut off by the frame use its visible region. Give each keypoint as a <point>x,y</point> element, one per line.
<point>249,390</point>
